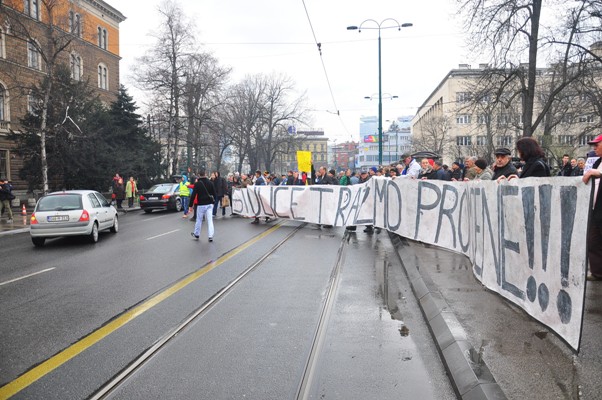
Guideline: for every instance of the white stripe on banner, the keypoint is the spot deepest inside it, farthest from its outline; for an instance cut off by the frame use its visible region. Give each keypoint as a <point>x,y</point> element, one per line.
<point>526,238</point>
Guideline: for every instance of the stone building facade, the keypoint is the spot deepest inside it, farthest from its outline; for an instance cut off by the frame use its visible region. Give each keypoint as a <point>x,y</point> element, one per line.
<point>83,34</point>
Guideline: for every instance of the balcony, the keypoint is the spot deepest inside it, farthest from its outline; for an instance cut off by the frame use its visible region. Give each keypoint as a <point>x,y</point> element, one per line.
<point>4,126</point>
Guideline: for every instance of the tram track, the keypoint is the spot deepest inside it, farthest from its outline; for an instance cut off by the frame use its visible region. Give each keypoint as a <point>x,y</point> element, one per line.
<point>135,365</point>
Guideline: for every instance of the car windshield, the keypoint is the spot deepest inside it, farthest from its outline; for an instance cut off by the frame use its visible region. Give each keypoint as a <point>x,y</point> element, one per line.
<point>60,202</point>
<point>161,188</point>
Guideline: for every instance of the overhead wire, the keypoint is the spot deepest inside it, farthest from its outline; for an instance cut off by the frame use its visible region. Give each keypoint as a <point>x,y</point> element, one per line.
<point>319,46</point>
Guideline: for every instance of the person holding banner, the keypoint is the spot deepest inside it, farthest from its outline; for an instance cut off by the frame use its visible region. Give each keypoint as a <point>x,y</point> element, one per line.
<point>533,155</point>
<point>594,234</point>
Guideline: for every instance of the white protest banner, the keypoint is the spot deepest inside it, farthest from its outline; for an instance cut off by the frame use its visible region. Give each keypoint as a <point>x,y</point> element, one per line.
<point>526,238</point>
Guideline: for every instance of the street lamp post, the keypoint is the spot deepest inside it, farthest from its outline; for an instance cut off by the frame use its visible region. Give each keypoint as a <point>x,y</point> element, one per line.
<point>380,99</point>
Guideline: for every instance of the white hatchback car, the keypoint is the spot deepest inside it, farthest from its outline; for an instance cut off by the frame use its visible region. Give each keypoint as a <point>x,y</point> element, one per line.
<point>72,213</point>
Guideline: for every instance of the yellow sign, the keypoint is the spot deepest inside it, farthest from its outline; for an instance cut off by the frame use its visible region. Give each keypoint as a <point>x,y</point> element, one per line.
<point>304,161</point>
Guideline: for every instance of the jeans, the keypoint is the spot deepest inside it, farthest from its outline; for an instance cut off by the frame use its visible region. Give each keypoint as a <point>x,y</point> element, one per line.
<point>185,200</point>
<point>218,202</point>
<point>206,211</point>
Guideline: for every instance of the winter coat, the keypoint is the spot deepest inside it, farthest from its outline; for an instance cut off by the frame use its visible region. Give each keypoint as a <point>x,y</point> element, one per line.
<point>201,191</point>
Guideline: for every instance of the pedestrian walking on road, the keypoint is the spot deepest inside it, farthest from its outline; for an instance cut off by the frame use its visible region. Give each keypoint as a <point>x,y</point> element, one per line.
<point>204,194</point>
<point>6,196</point>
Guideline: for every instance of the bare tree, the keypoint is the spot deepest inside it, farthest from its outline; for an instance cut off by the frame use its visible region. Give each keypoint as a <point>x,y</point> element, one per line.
<point>162,71</point>
<point>511,31</point>
<point>433,135</point>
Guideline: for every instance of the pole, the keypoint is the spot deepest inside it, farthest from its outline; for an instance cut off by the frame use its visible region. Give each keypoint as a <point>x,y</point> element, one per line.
<point>380,107</point>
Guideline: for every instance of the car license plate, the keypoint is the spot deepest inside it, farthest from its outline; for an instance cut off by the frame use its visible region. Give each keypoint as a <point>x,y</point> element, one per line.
<point>58,218</point>
<point>153,198</point>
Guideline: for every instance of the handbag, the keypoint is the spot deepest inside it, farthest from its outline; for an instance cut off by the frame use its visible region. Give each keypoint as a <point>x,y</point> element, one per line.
<point>225,201</point>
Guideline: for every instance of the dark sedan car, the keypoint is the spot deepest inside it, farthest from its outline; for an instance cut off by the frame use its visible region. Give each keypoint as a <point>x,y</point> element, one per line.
<point>163,196</point>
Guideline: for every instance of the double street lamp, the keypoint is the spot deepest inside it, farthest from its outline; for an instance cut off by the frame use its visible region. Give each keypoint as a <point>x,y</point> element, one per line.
<point>379,26</point>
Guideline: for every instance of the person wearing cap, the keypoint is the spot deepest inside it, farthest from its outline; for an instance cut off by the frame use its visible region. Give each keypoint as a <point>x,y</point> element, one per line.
<point>484,173</point>
<point>412,167</point>
<point>594,233</point>
<point>456,171</point>
<point>372,171</point>
<point>503,163</point>
<point>532,154</point>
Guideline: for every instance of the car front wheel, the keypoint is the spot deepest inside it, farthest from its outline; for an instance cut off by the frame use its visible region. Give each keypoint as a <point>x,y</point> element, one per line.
<point>115,227</point>
<point>94,234</point>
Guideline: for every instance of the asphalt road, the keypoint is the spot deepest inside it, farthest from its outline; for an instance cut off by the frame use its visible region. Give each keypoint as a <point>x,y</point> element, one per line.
<point>90,310</point>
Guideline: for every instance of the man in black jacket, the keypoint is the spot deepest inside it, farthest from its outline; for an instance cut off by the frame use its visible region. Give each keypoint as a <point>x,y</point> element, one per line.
<point>5,197</point>
<point>204,194</point>
<point>503,163</point>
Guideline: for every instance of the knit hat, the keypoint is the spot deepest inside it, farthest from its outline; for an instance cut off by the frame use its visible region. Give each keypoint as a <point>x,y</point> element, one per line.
<point>481,163</point>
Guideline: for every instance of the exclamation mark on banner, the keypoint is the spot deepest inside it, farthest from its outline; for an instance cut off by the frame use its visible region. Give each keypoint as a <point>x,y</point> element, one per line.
<point>568,204</point>
<point>528,194</point>
<point>545,216</point>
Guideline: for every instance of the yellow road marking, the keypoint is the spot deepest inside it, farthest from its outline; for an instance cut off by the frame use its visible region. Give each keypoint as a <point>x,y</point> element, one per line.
<point>14,387</point>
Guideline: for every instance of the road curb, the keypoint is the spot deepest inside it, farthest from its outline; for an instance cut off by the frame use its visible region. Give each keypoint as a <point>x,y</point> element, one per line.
<point>469,375</point>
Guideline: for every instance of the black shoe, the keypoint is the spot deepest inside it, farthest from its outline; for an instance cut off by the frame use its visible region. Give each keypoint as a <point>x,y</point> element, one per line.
<point>377,230</point>
<point>267,219</point>
<point>369,230</point>
<point>351,228</point>
<point>195,237</point>
<point>255,221</point>
<point>211,239</point>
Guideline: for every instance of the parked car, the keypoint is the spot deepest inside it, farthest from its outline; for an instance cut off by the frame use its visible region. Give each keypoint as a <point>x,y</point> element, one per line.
<point>72,213</point>
<point>163,196</point>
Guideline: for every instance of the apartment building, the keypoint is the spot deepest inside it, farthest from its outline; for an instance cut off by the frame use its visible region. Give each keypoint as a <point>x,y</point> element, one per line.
<point>452,123</point>
<point>83,34</point>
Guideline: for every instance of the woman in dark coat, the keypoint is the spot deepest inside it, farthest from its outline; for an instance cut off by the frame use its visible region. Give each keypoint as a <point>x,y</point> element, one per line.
<point>594,234</point>
<point>532,154</point>
<point>119,192</point>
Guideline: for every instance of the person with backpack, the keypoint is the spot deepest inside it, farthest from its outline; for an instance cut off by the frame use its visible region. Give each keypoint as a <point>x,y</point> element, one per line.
<point>6,196</point>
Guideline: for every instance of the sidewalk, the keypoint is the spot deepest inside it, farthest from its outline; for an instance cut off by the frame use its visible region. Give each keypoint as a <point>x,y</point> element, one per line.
<point>491,348</point>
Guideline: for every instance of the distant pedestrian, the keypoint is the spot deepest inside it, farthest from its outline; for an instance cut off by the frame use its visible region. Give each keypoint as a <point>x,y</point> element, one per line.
<point>119,191</point>
<point>6,196</point>
<point>203,194</point>
<point>131,191</point>
<point>184,192</point>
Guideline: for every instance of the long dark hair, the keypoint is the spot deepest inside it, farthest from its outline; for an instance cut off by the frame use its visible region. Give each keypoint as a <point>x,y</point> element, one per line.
<point>528,149</point>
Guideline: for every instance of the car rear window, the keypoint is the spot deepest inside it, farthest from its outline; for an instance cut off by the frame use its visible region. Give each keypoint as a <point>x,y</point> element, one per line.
<point>163,188</point>
<point>60,202</point>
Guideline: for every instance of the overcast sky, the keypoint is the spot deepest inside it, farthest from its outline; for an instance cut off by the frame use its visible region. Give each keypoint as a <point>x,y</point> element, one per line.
<point>264,36</point>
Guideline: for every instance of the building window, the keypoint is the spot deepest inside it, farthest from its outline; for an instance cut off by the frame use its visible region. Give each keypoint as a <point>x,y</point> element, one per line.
<point>75,25</point>
<point>2,44</point>
<point>463,97</point>
<point>566,139</point>
<point>32,8</point>
<point>103,78</point>
<point>76,67</point>
<point>481,140</point>
<point>4,172</point>
<point>586,118</point>
<point>586,138</point>
<point>33,105</point>
<point>483,119</point>
<point>102,38</point>
<point>463,140</point>
<point>2,104</point>
<point>33,55</point>
<point>505,141</point>
<point>463,119</point>
<point>504,119</point>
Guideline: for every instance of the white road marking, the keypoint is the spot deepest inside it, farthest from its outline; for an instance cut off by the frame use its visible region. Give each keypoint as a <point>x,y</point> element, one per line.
<point>27,276</point>
<point>163,234</point>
